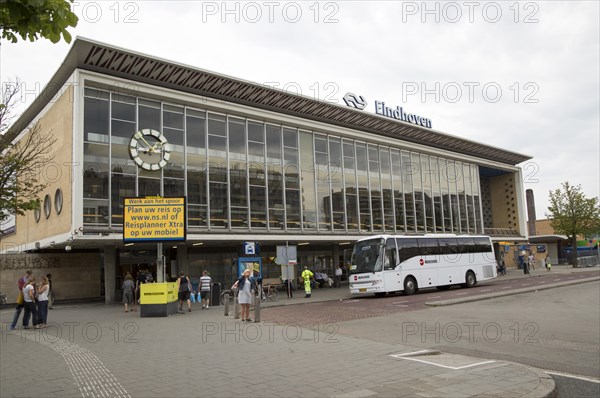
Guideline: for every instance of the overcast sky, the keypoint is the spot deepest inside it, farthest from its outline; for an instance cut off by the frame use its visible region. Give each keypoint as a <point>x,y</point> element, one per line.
<point>521,76</point>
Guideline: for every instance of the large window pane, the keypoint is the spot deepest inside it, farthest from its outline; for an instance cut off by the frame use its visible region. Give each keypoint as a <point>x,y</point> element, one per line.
<point>375,187</point>
<point>258,207</point>
<point>95,120</point>
<point>398,191</point>
<point>95,174</point>
<point>409,199</point>
<point>149,115</point>
<point>122,186</point>
<point>95,212</point>
<point>195,131</point>
<point>307,180</point>
<point>197,216</point>
<point>148,186</point>
<point>218,205</point>
<point>362,176</point>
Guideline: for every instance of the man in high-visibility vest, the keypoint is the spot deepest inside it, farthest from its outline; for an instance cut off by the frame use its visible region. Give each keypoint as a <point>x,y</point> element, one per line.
<point>307,275</point>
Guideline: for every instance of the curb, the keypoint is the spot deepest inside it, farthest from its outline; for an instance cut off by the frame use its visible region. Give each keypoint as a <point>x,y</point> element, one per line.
<point>546,388</point>
<point>507,293</point>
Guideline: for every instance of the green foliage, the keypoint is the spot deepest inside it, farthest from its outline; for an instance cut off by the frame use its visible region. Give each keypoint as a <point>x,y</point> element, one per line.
<point>572,214</point>
<point>29,18</point>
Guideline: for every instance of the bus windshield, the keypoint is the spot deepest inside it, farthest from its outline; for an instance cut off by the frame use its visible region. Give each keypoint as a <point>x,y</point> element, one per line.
<point>366,256</point>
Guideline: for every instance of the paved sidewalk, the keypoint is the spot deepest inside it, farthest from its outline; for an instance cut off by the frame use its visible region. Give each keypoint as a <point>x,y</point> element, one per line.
<point>98,350</point>
<point>93,350</point>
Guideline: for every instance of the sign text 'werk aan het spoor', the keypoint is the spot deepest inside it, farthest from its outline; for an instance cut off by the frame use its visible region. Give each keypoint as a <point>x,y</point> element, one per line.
<point>154,219</point>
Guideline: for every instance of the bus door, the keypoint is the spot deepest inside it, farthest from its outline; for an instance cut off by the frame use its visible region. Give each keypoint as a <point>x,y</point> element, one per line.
<point>391,270</point>
<point>408,250</point>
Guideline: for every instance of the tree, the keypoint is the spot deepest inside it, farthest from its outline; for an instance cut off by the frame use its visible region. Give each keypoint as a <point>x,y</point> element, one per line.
<point>29,18</point>
<point>21,164</point>
<point>572,214</point>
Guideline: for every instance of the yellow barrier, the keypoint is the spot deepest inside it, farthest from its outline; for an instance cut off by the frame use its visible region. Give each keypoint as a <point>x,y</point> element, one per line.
<point>158,293</point>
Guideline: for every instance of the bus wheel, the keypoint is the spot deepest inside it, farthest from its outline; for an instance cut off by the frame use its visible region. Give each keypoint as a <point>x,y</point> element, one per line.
<point>410,286</point>
<point>379,294</point>
<point>470,279</point>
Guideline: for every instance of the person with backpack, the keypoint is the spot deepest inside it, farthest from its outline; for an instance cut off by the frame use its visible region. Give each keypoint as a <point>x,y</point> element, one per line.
<point>184,291</point>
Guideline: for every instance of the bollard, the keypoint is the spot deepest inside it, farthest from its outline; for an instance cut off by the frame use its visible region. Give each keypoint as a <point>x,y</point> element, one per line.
<point>236,308</point>
<point>226,304</point>
<point>257,308</point>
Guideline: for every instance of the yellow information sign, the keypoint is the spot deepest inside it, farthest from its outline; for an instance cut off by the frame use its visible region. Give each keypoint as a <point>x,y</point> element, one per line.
<point>154,219</point>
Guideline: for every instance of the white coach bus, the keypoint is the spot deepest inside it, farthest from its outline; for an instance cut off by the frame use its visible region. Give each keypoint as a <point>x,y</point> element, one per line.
<point>385,263</point>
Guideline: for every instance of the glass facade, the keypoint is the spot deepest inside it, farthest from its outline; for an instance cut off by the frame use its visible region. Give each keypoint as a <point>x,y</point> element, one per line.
<point>240,174</point>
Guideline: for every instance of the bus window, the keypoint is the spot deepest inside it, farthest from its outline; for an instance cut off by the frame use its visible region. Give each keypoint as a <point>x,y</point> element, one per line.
<point>448,246</point>
<point>428,246</point>
<point>391,259</point>
<point>482,245</point>
<point>466,245</point>
<point>407,248</point>
<point>365,257</point>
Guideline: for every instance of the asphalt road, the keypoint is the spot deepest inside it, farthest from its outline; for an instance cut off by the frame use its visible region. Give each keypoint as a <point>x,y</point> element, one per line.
<point>556,329</point>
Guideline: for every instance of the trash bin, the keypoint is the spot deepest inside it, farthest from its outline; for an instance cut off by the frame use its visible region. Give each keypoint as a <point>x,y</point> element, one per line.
<point>215,298</point>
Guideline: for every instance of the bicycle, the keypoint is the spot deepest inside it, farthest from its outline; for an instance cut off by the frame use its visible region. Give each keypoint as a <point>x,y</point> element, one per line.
<point>231,294</point>
<point>270,294</point>
<point>3,300</point>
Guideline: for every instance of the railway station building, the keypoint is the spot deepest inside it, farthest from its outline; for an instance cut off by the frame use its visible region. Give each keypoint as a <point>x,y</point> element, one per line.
<point>254,163</point>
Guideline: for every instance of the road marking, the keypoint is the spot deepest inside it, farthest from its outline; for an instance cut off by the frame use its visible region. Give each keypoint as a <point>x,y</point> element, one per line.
<point>524,284</point>
<point>92,377</point>
<point>405,356</point>
<point>506,287</point>
<point>435,297</point>
<point>403,301</point>
<point>485,290</point>
<point>572,376</point>
<point>460,294</point>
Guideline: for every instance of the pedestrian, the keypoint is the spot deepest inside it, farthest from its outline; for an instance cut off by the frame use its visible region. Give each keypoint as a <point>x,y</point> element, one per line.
<point>139,281</point>
<point>50,291</point>
<point>245,294</point>
<point>204,287</point>
<point>43,291</point>
<point>289,287</point>
<point>128,292</point>
<point>338,276</point>
<point>21,282</point>
<point>184,291</point>
<point>30,305</point>
<point>531,261</point>
<point>307,276</point>
<point>548,264</point>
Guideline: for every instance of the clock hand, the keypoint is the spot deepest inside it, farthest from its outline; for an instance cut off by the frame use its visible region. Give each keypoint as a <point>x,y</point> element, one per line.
<point>150,147</point>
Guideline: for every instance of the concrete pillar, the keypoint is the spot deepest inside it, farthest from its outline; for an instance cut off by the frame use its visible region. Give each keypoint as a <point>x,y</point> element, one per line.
<point>110,271</point>
<point>336,256</point>
<point>182,259</point>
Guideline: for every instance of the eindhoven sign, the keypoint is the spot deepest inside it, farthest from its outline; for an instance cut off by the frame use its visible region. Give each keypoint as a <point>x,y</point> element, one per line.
<point>358,102</point>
